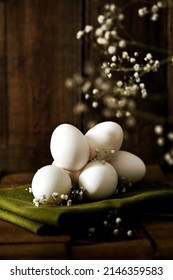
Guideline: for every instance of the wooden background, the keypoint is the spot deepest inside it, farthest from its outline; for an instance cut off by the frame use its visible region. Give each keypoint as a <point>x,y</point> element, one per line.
<point>38,51</point>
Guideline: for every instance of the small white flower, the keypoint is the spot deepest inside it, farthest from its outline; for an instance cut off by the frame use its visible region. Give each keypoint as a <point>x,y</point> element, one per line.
<point>113,33</point>
<point>107,70</point>
<point>113,65</point>
<point>113,7</point>
<point>80,108</point>
<point>100,19</point>
<point>125,55</point>
<point>114,58</point>
<point>94,104</point>
<point>128,114</point>
<point>121,17</point>
<point>99,32</point>
<point>86,86</point>
<point>69,83</point>
<point>158,129</point>
<point>148,56</point>
<point>107,35</point>
<point>136,67</point>
<point>142,11</point>
<point>80,34</point>
<point>87,96</point>
<point>129,233</point>
<point>88,28</point>
<point>170,136</point>
<point>36,202</point>
<point>147,68</point>
<point>62,196</point>
<point>132,60</point>
<point>136,75</point>
<point>95,91</point>
<point>122,44</point>
<point>112,49</point>
<point>66,196</point>
<point>118,220</point>
<point>109,22</point>
<point>119,83</point>
<point>110,75</point>
<point>161,141</point>
<point>142,85</point>
<point>154,9</point>
<point>144,93</point>
<point>55,195</point>
<point>154,17</point>
<point>69,202</point>
<point>160,4</point>
<point>102,41</point>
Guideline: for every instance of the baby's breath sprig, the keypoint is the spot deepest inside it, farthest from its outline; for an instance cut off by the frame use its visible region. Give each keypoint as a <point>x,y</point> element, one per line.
<point>163,138</point>
<point>114,82</point>
<point>111,226</point>
<point>153,9</point>
<point>38,201</point>
<point>123,185</point>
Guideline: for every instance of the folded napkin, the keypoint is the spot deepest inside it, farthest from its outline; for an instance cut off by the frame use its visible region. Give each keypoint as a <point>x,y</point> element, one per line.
<point>16,206</point>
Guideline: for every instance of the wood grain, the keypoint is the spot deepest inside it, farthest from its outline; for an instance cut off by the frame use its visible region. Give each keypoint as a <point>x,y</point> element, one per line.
<point>40,51</point>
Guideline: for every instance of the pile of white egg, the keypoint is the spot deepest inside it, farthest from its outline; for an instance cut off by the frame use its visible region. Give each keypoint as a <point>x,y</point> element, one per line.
<point>92,161</point>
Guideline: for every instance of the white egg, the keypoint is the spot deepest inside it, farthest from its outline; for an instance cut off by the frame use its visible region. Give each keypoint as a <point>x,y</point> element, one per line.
<point>74,175</point>
<point>105,138</point>
<point>49,180</point>
<point>128,166</point>
<point>99,180</point>
<point>69,147</point>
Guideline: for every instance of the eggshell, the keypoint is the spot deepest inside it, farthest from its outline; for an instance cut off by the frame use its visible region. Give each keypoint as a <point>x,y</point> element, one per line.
<point>105,137</point>
<point>99,180</point>
<point>50,179</point>
<point>74,175</point>
<point>128,166</point>
<point>69,147</point>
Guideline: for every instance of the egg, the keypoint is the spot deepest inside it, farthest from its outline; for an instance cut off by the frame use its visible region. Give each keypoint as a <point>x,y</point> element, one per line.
<point>104,138</point>
<point>128,166</point>
<point>74,175</point>
<point>69,147</point>
<point>98,180</point>
<point>49,180</point>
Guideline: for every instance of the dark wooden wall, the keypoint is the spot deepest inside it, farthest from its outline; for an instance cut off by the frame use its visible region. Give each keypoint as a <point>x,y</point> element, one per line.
<point>38,51</point>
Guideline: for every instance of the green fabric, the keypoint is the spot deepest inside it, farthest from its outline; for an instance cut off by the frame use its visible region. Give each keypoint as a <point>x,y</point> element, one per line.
<point>16,206</point>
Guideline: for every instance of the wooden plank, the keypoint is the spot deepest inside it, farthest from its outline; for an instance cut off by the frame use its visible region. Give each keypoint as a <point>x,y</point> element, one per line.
<point>12,234</point>
<point>3,69</point>
<point>170,68</point>
<point>161,233</point>
<point>127,250</point>
<point>46,251</point>
<point>42,51</point>
<point>16,179</point>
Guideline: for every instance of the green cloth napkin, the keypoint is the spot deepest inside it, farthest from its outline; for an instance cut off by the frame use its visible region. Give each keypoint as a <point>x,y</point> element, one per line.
<point>16,206</point>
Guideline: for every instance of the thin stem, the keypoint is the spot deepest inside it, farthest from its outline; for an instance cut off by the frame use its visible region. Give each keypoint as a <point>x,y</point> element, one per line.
<point>153,48</point>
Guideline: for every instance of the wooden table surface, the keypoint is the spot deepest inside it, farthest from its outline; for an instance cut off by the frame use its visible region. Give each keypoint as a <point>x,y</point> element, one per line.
<point>152,237</point>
